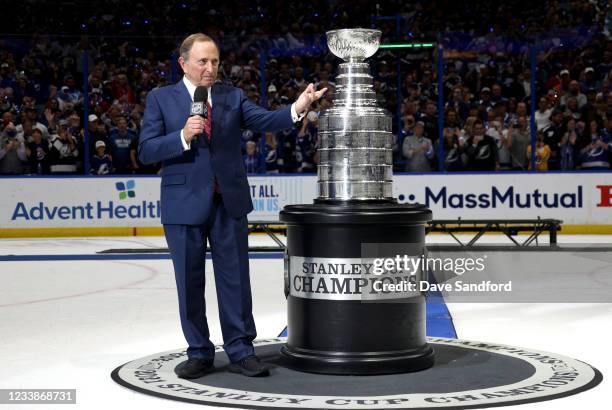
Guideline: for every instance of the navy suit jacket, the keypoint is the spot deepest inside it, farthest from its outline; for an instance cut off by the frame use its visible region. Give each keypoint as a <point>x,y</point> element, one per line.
<point>187,183</point>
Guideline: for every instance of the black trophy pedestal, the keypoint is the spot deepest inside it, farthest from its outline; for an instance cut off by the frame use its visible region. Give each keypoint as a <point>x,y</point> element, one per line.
<point>341,333</point>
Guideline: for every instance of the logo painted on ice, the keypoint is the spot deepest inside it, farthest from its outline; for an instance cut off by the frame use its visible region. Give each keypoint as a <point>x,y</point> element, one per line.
<point>551,376</point>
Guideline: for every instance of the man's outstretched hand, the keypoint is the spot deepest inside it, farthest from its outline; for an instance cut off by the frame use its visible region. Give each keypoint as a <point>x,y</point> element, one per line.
<point>308,97</point>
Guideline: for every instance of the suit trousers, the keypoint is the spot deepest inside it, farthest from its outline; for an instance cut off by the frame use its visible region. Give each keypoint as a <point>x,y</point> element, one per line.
<point>228,238</point>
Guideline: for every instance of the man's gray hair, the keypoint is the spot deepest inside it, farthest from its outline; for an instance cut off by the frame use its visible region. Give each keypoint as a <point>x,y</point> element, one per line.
<point>188,43</point>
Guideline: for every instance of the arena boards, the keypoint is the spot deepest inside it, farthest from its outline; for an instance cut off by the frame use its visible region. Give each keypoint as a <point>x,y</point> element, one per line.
<point>466,375</point>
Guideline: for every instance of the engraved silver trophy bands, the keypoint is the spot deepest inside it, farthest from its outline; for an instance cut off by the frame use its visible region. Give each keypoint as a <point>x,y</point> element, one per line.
<point>356,156</point>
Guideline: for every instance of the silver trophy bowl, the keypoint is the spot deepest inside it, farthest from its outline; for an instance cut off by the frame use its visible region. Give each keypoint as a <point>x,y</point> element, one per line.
<point>356,157</point>
<point>353,44</point>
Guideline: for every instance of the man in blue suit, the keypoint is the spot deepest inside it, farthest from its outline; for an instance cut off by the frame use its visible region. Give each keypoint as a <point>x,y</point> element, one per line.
<point>205,196</point>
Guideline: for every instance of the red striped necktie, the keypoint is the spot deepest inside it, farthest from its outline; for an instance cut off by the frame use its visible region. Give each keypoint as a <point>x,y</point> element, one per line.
<point>208,131</point>
<point>208,122</point>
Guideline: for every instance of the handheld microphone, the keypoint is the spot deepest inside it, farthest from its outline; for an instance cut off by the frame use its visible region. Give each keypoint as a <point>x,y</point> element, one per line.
<point>198,106</point>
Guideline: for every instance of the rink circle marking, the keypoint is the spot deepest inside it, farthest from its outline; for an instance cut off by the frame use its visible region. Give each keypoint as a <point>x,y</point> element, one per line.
<point>555,376</point>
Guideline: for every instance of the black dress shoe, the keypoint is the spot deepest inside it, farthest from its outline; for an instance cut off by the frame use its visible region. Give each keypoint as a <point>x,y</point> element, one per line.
<point>194,368</point>
<point>250,366</point>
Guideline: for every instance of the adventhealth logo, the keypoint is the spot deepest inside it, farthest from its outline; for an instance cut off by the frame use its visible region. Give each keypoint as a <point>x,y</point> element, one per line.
<point>97,210</point>
<point>126,190</point>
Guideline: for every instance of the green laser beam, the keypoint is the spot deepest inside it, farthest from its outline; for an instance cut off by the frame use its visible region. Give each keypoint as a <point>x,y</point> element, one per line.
<point>407,45</point>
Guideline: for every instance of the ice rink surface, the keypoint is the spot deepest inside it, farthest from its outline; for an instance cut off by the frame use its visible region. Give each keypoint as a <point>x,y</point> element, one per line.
<point>69,323</point>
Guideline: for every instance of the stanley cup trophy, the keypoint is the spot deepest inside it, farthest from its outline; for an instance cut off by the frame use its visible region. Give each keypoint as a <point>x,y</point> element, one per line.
<point>339,319</point>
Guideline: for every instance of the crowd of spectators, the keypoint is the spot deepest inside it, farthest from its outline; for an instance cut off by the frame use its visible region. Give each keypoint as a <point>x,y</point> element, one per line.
<point>487,113</point>
<point>128,51</point>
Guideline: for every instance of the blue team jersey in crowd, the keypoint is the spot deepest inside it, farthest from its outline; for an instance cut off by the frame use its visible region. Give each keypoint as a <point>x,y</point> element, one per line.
<point>101,165</point>
<point>120,148</point>
<point>598,157</point>
<point>253,164</point>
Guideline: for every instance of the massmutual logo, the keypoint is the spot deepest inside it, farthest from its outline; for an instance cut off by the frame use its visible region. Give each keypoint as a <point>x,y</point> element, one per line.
<point>126,190</point>
<point>511,197</point>
<point>127,207</point>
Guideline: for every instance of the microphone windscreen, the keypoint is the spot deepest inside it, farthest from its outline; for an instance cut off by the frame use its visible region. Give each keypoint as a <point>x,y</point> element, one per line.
<point>200,94</point>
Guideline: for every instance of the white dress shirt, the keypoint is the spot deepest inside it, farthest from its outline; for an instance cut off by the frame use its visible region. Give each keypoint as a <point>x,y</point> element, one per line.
<point>191,90</point>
